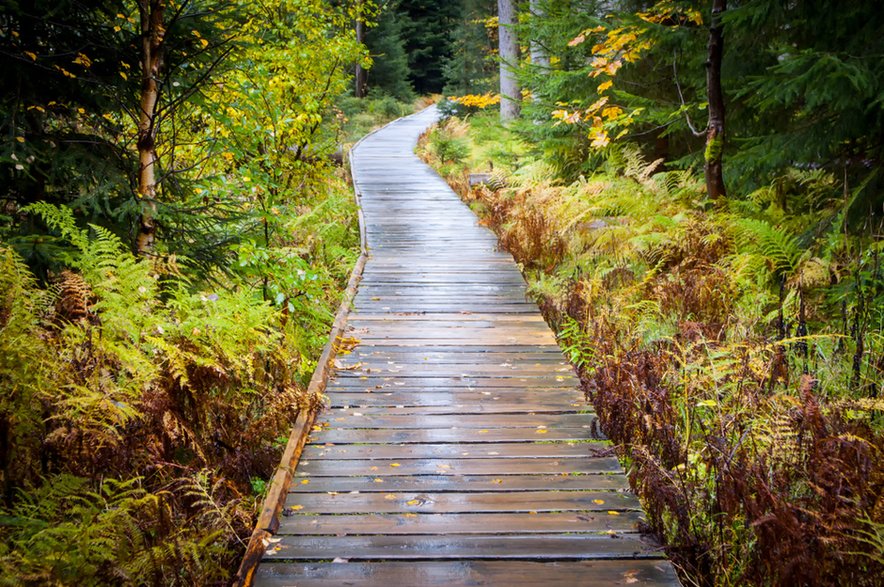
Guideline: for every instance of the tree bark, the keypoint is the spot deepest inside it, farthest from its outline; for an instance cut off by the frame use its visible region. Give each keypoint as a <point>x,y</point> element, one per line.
<point>360,78</point>
<point>715,97</point>
<point>539,55</point>
<point>510,92</point>
<point>153,31</point>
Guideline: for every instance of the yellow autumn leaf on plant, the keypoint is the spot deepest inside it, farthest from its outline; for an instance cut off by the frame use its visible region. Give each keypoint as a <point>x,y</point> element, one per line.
<point>577,40</point>
<point>598,104</point>
<point>32,55</point>
<point>83,60</point>
<point>604,86</point>
<point>612,112</point>
<point>599,138</point>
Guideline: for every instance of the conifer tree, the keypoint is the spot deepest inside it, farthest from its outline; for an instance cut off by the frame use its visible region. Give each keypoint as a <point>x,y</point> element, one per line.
<point>428,41</point>
<point>389,72</point>
<point>472,67</point>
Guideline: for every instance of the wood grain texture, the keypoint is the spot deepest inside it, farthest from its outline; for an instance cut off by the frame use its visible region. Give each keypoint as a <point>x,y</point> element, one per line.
<point>456,447</point>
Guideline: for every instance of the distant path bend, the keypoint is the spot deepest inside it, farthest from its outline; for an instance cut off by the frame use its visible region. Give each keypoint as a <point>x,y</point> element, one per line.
<point>457,449</point>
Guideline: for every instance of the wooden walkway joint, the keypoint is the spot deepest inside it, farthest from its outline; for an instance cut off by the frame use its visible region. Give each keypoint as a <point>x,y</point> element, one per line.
<point>457,449</point>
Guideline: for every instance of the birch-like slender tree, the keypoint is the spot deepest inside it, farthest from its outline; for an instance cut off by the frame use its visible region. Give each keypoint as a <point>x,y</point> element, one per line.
<point>510,91</point>
<point>151,14</point>
<point>539,54</point>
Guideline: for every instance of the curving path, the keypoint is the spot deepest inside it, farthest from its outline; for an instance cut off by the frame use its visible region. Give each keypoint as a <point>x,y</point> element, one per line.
<point>457,449</point>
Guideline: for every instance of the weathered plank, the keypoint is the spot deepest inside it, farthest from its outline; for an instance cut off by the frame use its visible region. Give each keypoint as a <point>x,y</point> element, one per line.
<point>465,450</point>
<point>471,573</point>
<point>475,547</point>
<point>461,483</point>
<point>462,503</point>
<point>445,524</point>
<point>490,466</point>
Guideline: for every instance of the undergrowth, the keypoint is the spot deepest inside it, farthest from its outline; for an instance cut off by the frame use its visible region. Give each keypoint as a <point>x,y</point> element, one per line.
<point>141,410</point>
<point>734,354</point>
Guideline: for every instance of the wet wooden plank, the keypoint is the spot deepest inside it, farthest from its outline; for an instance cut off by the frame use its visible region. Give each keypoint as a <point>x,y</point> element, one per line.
<point>322,466</point>
<point>461,503</point>
<point>450,524</point>
<point>461,483</point>
<point>494,546</point>
<point>470,423</point>
<point>472,573</point>
<point>463,450</point>
<point>454,408</point>
<point>437,435</point>
<point>478,401</point>
<point>456,380</point>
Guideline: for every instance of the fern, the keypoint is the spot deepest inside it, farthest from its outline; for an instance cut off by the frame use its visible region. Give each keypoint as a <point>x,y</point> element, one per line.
<point>780,249</point>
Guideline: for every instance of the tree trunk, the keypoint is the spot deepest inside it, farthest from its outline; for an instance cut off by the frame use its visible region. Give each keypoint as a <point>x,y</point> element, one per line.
<point>152,33</point>
<point>510,92</point>
<point>715,96</point>
<point>539,55</point>
<point>360,77</point>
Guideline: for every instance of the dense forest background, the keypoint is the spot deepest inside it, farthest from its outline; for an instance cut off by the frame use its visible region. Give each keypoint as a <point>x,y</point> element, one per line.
<point>175,232</point>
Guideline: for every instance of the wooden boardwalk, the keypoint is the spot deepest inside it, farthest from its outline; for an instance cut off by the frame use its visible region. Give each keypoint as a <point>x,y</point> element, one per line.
<point>457,449</point>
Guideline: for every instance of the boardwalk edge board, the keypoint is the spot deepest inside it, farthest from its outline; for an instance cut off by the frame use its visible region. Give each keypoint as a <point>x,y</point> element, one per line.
<point>268,518</point>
